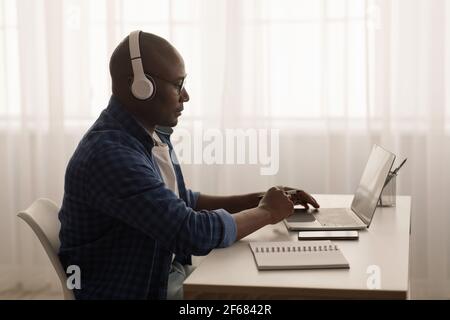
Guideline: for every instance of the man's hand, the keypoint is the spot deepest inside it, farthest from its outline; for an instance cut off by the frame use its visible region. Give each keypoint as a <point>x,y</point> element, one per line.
<point>301,197</point>
<point>277,203</point>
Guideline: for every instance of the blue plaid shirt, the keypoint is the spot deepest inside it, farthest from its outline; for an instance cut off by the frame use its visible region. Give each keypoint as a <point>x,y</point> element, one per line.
<point>119,222</point>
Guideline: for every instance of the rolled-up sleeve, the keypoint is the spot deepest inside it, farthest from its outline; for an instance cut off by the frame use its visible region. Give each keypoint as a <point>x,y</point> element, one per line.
<point>229,226</point>
<point>192,198</point>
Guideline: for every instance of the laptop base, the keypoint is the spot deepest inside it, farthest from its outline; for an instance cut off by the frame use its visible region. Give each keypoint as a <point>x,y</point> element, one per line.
<point>324,219</point>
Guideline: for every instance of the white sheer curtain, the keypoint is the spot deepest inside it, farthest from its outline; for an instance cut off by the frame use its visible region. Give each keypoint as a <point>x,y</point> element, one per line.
<point>333,76</point>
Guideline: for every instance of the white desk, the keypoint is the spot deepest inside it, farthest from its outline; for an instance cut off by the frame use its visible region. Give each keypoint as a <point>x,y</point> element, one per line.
<point>231,273</point>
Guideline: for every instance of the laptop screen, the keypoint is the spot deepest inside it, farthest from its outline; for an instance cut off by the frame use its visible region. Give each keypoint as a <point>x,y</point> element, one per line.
<point>372,181</point>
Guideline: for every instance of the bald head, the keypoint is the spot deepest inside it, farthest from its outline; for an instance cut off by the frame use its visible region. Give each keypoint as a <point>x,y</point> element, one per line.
<point>164,64</point>
<point>159,58</point>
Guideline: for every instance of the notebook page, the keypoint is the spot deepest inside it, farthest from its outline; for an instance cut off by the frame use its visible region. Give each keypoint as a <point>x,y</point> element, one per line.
<point>298,255</point>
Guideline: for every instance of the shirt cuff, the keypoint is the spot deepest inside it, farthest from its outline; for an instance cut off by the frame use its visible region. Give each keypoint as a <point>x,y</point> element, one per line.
<point>229,228</point>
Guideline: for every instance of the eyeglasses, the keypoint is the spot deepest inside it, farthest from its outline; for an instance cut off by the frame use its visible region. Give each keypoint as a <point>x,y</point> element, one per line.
<point>179,85</point>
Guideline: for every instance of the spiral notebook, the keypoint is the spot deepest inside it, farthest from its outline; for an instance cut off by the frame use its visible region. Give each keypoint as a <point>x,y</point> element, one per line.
<point>298,255</point>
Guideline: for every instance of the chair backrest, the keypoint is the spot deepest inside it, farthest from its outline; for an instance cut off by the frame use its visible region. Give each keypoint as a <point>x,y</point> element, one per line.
<point>42,217</point>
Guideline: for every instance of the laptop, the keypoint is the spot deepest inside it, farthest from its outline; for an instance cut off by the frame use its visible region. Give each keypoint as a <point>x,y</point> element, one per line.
<point>360,214</point>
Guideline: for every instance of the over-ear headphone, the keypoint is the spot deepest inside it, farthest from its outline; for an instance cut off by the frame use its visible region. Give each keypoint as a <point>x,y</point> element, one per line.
<point>143,86</point>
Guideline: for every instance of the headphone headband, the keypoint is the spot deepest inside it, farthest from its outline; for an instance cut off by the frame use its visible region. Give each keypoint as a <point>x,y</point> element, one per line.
<point>135,51</point>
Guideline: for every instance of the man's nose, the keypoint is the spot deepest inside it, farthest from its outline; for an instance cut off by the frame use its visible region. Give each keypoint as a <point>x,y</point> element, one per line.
<point>184,95</point>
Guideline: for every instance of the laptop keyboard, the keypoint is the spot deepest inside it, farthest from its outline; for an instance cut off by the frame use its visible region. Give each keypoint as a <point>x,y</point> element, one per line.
<point>336,217</point>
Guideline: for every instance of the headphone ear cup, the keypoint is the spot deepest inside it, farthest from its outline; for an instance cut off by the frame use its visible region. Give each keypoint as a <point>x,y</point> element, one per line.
<point>153,86</point>
<point>143,88</point>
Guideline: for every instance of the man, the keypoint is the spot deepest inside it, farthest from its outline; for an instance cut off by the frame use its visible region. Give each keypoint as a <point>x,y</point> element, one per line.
<point>127,219</point>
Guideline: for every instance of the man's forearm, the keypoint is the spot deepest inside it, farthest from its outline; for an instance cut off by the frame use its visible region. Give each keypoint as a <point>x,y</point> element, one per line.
<point>248,221</point>
<point>232,204</point>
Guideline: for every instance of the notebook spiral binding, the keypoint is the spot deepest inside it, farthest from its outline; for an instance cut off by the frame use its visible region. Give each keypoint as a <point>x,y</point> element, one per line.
<point>278,249</point>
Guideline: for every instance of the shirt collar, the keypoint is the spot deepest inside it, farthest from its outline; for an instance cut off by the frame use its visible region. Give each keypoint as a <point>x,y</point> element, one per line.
<point>127,121</point>
<point>167,131</point>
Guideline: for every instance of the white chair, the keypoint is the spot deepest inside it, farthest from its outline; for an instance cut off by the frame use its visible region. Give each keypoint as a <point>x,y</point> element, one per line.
<point>42,217</point>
